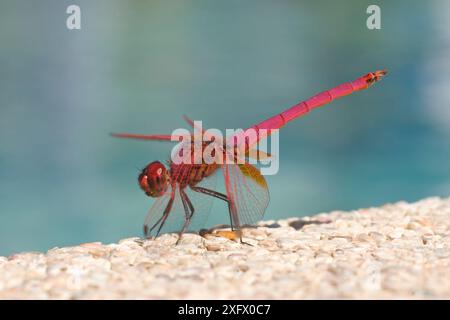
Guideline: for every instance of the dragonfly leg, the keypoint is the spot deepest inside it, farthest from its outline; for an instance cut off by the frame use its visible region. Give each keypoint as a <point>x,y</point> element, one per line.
<point>165,215</point>
<point>189,211</point>
<point>189,203</point>
<point>230,207</point>
<point>147,231</point>
<point>217,195</point>
<point>242,241</point>
<point>161,220</point>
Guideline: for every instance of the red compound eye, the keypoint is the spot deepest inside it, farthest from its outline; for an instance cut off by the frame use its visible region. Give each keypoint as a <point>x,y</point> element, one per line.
<point>154,179</point>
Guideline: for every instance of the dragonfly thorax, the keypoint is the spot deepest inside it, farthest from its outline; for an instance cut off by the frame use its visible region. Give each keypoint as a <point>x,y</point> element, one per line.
<point>154,179</point>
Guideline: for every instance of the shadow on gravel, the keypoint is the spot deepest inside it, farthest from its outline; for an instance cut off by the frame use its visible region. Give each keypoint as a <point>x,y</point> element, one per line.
<point>300,223</point>
<point>272,225</point>
<point>296,224</point>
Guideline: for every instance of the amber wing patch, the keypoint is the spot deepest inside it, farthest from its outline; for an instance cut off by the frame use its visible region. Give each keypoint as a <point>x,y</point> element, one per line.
<point>253,173</point>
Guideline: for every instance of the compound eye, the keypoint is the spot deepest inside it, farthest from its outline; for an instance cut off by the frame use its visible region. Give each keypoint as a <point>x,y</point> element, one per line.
<point>143,182</point>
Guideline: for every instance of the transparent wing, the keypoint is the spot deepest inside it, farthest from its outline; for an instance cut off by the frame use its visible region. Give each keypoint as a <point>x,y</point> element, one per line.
<point>154,217</point>
<point>202,203</point>
<point>248,191</point>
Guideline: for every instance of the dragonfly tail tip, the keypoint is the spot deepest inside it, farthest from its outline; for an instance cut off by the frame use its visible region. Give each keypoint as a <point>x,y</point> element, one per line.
<point>373,77</point>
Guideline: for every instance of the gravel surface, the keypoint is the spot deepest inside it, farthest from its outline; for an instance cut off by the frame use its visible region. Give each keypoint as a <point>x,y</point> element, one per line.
<point>396,251</point>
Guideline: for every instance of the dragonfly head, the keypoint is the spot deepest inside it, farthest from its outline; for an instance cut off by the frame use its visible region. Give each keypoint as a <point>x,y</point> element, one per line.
<point>154,179</point>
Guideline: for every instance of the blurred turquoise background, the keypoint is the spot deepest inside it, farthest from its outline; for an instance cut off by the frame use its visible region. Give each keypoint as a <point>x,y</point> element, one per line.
<point>137,66</point>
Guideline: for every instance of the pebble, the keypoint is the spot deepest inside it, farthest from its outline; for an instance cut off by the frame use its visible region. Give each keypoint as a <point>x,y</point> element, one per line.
<point>362,237</point>
<point>213,247</point>
<point>377,236</point>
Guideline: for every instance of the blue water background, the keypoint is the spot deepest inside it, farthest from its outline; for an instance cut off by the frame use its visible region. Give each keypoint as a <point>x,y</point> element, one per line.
<point>138,66</point>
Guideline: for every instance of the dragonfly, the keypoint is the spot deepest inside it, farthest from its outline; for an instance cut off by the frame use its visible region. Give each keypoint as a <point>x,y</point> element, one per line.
<point>184,191</point>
